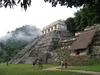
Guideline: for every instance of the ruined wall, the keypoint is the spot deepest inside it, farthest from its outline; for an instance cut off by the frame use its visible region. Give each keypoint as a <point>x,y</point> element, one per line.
<point>92,50</point>
<point>78,60</point>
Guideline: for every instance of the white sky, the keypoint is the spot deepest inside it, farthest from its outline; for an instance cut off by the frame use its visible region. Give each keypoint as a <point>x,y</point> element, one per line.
<point>39,14</point>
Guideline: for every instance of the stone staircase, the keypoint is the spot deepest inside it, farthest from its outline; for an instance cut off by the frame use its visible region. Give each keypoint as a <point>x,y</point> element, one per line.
<point>40,47</point>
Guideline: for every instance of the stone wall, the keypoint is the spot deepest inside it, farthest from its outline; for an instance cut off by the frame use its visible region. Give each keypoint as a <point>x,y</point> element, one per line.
<point>78,60</point>
<point>95,45</point>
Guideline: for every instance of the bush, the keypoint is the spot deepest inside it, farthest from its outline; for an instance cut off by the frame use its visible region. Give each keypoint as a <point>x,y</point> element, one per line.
<point>63,58</point>
<point>93,60</point>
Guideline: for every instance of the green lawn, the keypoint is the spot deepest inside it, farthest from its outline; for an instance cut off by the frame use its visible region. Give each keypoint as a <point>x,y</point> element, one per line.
<point>95,67</point>
<point>26,69</point>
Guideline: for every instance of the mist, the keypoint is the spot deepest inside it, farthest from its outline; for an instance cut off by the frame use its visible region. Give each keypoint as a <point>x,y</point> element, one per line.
<point>26,33</point>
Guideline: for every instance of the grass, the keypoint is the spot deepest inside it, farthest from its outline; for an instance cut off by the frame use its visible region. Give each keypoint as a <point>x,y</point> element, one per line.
<point>26,69</point>
<point>95,67</point>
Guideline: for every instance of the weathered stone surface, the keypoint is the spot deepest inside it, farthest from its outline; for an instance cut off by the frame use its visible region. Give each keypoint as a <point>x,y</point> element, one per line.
<point>78,60</point>
<point>93,48</point>
<point>41,48</point>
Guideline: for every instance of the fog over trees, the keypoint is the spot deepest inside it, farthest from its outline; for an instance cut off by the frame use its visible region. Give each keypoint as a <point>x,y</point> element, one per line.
<point>16,40</point>
<point>26,33</point>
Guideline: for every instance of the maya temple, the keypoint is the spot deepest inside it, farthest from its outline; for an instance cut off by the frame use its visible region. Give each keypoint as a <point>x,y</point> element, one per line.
<point>57,42</point>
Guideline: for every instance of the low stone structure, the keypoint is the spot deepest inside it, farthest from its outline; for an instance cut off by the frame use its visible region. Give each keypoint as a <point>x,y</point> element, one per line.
<point>83,45</point>
<point>80,46</point>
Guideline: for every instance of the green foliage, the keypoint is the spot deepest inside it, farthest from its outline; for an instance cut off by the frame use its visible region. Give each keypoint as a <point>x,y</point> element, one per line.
<point>11,3</point>
<point>93,60</point>
<point>63,58</point>
<point>1,53</point>
<point>83,17</point>
<point>75,3</point>
<point>96,20</point>
<point>70,24</point>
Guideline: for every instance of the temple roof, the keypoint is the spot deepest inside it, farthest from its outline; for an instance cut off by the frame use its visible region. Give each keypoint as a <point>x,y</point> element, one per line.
<point>83,40</point>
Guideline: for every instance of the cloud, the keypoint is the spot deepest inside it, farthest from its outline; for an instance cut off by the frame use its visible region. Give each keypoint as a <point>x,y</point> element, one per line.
<point>25,33</point>
<point>6,37</point>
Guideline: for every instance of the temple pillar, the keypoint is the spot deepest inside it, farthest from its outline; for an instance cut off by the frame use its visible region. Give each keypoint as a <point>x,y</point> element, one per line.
<point>53,27</point>
<point>50,29</point>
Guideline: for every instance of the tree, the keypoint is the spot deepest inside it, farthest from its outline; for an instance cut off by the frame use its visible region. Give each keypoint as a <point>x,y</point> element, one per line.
<point>1,53</point>
<point>23,3</point>
<point>94,5</point>
<point>68,3</point>
<point>77,21</point>
<point>70,24</point>
<point>83,17</point>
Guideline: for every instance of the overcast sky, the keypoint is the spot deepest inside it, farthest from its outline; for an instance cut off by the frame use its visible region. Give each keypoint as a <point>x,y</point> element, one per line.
<point>39,14</point>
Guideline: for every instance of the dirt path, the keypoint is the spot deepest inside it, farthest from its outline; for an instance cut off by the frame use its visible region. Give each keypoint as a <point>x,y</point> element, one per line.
<point>80,71</point>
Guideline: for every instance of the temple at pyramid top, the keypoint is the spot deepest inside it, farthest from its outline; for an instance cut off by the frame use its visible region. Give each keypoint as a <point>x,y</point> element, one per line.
<point>57,25</point>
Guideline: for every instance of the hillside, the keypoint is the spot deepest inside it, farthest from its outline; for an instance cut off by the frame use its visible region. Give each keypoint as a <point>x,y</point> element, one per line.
<point>17,39</point>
